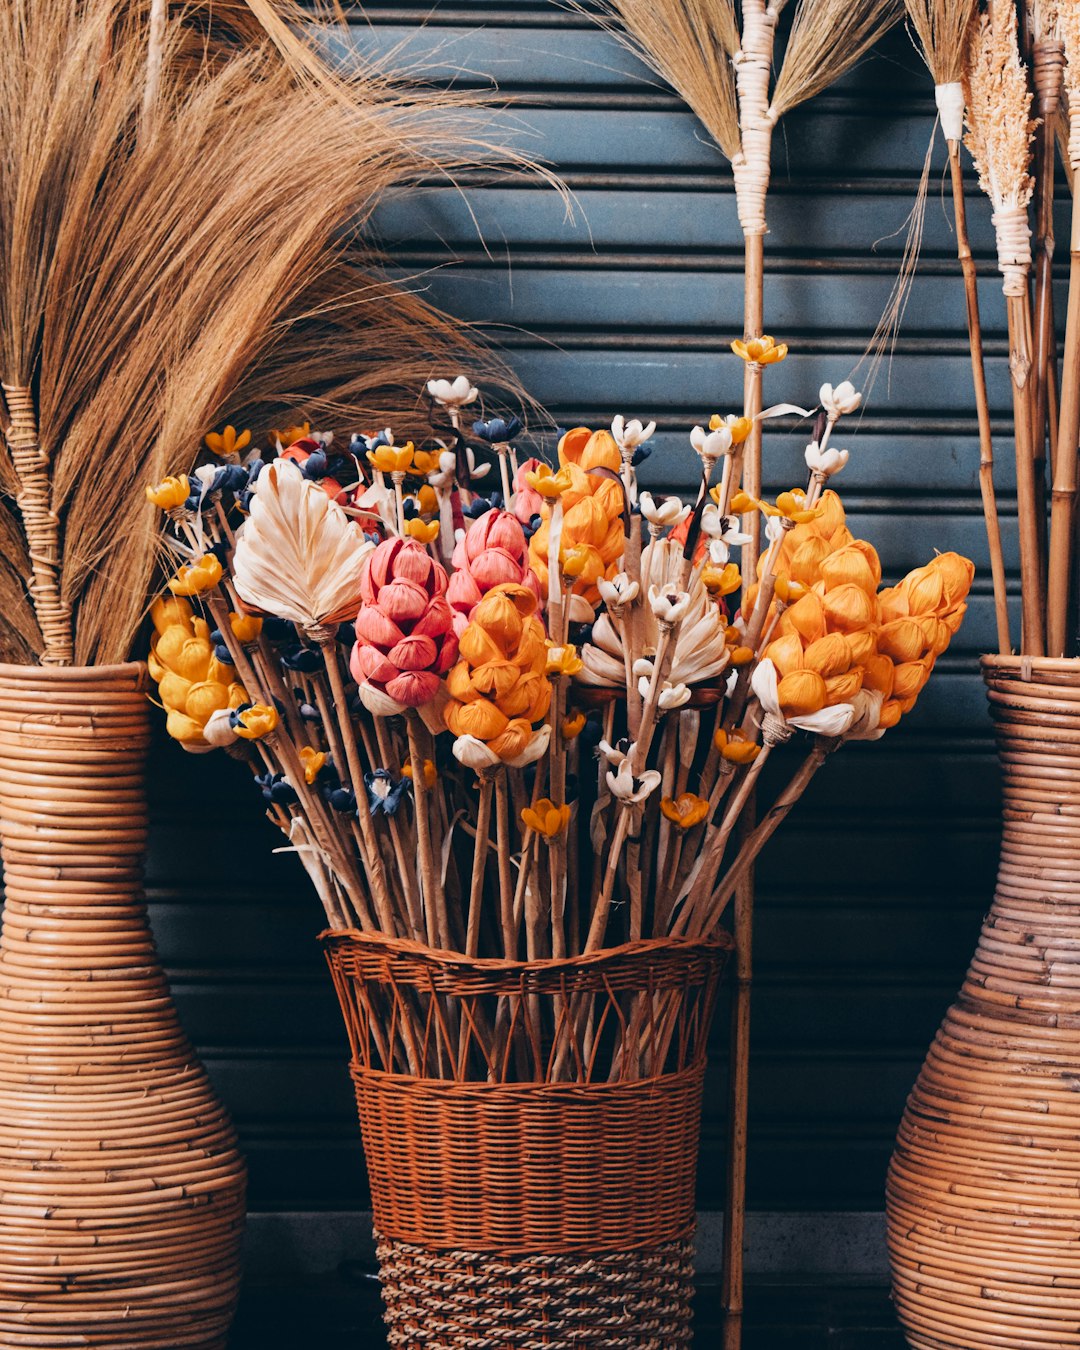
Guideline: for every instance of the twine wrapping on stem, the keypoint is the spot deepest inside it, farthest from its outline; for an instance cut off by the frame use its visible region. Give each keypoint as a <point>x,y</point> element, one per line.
<point>42,526</point>
<point>1013,248</point>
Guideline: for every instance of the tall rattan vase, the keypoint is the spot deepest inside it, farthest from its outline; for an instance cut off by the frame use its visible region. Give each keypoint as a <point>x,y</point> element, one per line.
<point>531,1133</point>
<point>121,1188</point>
<point>984,1186</point>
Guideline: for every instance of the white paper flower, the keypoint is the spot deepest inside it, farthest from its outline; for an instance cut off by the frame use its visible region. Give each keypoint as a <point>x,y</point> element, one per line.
<point>774,528</point>
<point>825,462</point>
<point>615,754</point>
<point>629,435</point>
<point>454,393</point>
<point>668,603</point>
<point>443,477</point>
<point>712,445</point>
<point>475,470</point>
<point>630,789</point>
<point>671,696</point>
<point>667,511</point>
<point>298,555</point>
<point>219,730</point>
<point>700,647</point>
<point>840,401</point>
<point>724,528</point>
<point>832,721</point>
<point>867,723</point>
<point>476,754</point>
<point>619,591</point>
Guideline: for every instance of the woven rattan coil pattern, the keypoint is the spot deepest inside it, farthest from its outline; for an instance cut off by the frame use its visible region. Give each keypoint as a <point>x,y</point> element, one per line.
<point>984,1186</point>
<point>121,1188</point>
<point>460,1299</point>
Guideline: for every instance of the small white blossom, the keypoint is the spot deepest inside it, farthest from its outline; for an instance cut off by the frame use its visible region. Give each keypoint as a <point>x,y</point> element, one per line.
<point>712,445</point>
<point>443,477</point>
<point>724,528</point>
<point>840,401</point>
<point>614,754</point>
<point>629,435</point>
<point>668,511</point>
<point>475,754</point>
<point>825,462</point>
<point>454,393</point>
<point>832,721</point>
<point>619,591</point>
<point>668,604</point>
<point>774,528</point>
<point>475,470</point>
<point>642,668</point>
<point>627,788</point>
<point>671,696</point>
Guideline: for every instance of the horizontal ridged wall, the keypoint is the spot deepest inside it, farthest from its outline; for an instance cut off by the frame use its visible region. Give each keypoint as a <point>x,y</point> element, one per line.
<point>869,898</point>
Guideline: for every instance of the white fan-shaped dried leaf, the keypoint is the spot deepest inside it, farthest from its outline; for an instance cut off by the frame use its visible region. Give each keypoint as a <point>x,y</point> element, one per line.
<point>298,555</point>
<point>700,649</point>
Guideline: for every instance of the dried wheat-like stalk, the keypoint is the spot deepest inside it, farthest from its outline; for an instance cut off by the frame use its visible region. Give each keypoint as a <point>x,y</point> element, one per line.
<point>1000,133</point>
<point>827,38</point>
<point>151,268</point>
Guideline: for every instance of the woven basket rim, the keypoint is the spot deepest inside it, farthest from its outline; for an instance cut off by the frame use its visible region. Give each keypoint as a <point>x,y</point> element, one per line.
<point>72,674</point>
<point>443,959</point>
<point>1016,665</point>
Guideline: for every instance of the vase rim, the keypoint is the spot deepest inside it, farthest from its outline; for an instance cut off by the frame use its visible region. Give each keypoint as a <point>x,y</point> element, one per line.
<point>72,674</point>
<point>1048,665</point>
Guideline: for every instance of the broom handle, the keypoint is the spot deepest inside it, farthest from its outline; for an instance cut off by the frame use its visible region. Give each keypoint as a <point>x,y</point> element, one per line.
<point>982,403</point>
<point>1033,641</point>
<point>1063,499</point>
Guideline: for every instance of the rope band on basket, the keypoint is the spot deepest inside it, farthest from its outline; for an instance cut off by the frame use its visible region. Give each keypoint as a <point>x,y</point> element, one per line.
<point>620,1300</point>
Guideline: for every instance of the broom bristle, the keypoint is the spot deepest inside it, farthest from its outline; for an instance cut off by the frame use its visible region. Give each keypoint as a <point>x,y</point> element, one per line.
<point>942,28</point>
<point>1000,128</point>
<point>688,43</point>
<point>827,38</point>
<point>150,273</point>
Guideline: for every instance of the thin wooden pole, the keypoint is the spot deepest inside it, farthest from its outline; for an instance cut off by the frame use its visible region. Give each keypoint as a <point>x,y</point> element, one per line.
<point>1063,499</point>
<point>1033,637</point>
<point>982,403</point>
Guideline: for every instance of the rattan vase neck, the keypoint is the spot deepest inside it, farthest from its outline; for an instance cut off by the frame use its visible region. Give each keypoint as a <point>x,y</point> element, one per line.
<point>121,1189</point>
<point>984,1185</point>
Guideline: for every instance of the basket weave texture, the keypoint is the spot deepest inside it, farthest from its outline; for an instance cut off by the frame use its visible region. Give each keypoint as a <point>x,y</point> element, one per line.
<point>121,1188</point>
<point>984,1186</point>
<point>531,1132</point>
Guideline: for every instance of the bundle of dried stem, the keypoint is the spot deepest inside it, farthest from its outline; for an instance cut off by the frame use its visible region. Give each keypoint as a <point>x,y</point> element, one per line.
<point>1000,134</point>
<point>158,266</point>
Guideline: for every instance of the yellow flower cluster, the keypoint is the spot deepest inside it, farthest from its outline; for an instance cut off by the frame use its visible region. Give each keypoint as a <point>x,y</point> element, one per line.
<point>192,682</point>
<point>592,503</point>
<point>499,688</point>
<point>841,635</point>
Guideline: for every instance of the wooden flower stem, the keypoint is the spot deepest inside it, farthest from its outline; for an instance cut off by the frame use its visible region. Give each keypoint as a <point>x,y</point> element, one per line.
<point>479,863</point>
<point>406,861</point>
<point>506,882</point>
<point>982,401</point>
<point>1033,639</point>
<point>1063,500</point>
<point>434,907</point>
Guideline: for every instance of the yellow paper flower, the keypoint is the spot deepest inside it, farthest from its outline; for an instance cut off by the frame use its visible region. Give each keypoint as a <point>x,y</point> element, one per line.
<point>739,427</point>
<point>290,435</point>
<point>763,351</point>
<point>257,721</point>
<point>392,458</point>
<point>202,575</point>
<point>686,810</point>
<point>312,760</point>
<point>422,530</point>
<point>427,503</point>
<point>564,660</point>
<point>721,581</point>
<point>549,483</point>
<point>227,443</point>
<point>573,726</point>
<point>425,462</point>
<point>428,771</point>
<point>170,493</point>
<point>193,684</point>
<point>792,506</point>
<point>737,748</point>
<point>546,818</point>
<point>246,627</point>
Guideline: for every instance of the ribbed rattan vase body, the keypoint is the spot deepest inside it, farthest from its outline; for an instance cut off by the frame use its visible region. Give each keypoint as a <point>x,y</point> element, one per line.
<point>121,1188</point>
<point>984,1185</point>
<point>532,1182</point>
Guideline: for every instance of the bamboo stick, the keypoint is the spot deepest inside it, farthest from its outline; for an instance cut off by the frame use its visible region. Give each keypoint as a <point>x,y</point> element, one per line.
<point>982,402</point>
<point>434,908</point>
<point>1033,634</point>
<point>479,864</point>
<point>1063,498</point>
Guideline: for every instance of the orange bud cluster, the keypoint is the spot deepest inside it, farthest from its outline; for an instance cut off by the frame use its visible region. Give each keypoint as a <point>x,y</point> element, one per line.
<point>843,635</point>
<point>592,528</point>
<point>498,688</point>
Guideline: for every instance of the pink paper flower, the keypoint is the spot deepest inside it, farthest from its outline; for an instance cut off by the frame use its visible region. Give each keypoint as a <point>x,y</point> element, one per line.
<point>493,551</point>
<point>527,501</point>
<point>404,635</point>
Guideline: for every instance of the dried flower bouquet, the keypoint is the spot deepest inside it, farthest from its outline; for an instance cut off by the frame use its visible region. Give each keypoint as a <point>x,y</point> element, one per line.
<point>514,709</point>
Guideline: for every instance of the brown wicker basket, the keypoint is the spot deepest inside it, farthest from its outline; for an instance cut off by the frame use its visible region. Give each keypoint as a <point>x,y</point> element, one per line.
<point>984,1185</point>
<point>531,1134</point>
<point>121,1188</point>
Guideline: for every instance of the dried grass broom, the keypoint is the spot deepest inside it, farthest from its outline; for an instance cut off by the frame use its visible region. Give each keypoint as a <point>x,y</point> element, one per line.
<point>155,262</point>
<point>943,30</point>
<point>1000,134</point>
